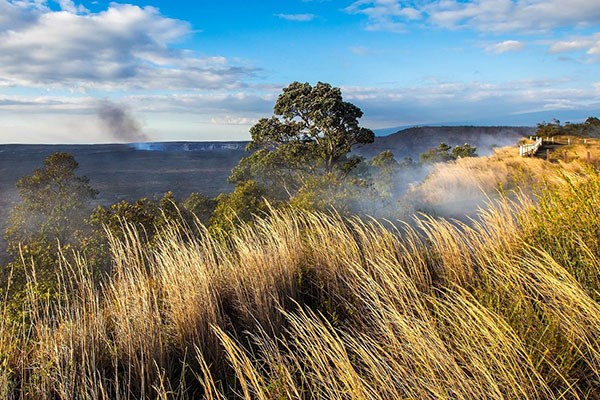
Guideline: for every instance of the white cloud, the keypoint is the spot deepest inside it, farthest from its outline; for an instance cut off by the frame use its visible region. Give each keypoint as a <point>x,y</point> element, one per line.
<point>504,47</point>
<point>482,15</point>
<point>231,113</point>
<point>361,50</point>
<point>590,45</point>
<point>384,15</point>
<point>447,101</point>
<point>223,105</point>
<point>206,115</point>
<point>233,120</point>
<point>123,47</point>
<point>296,17</point>
<point>568,45</point>
<point>69,6</point>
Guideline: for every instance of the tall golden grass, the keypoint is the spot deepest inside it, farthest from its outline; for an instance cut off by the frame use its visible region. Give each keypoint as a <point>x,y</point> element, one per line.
<point>312,305</point>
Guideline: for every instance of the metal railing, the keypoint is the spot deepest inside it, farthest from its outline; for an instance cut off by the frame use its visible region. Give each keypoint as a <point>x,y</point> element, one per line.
<point>530,149</point>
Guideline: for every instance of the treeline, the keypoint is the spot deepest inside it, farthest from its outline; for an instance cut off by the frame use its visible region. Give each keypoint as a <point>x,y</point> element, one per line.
<point>589,128</point>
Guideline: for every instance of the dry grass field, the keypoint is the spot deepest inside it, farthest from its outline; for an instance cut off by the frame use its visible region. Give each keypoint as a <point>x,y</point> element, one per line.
<point>307,305</point>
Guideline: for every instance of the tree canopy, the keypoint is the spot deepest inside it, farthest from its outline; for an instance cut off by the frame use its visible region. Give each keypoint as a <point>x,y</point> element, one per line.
<point>53,201</point>
<point>444,153</point>
<point>589,128</point>
<point>310,134</point>
<point>52,211</point>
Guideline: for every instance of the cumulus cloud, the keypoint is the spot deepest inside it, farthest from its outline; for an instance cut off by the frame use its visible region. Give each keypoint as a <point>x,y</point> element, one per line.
<point>125,46</point>
<point>296,17</point>
<point>384,15</point>
<point>482,15</point>
<point>69,6</point>
<point>590,45</point>
<point>504,47</point>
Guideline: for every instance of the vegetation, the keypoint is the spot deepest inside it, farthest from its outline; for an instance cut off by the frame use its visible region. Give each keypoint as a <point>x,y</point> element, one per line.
<point>444,153</point>
<point>259,294</point>
<point>304,305</point>
<point>305,146</point>
<point>589,128</point>
<point>54,203</point>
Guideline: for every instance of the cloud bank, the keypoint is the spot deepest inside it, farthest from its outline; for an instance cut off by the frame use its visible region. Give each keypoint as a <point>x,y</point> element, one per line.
<point>123,47</point>
<point>482,15</point>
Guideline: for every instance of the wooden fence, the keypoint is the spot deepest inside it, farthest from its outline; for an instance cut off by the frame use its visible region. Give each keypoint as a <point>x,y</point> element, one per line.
<point>530,149</point>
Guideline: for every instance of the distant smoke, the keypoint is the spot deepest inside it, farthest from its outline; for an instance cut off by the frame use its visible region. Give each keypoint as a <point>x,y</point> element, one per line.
<point>119,123</point>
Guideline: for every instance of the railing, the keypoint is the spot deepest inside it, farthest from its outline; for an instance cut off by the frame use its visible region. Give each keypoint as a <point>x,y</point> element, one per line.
<point>530,149</point>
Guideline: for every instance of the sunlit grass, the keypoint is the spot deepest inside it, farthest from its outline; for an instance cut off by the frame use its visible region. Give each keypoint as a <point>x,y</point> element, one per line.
<point>311,305</point>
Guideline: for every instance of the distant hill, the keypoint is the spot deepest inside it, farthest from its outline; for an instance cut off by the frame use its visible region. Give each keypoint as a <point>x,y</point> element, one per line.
<point>411,142</point>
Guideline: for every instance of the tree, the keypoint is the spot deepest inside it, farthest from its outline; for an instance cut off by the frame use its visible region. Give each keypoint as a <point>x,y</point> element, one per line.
<point>200,206</point>
<point>310,134</point>
<point>549,129</point>
<point>437,154</point>
<point>149,217</point>
<point>386,170</point>
<point>466,150</point>
<point>591,127</point>
<point>592,121</point>
<point>54,203</point>
<point>242,204</point>
<point>444,153</point>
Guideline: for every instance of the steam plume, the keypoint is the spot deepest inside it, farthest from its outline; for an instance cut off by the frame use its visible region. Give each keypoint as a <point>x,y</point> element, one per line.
<point>119,123</point>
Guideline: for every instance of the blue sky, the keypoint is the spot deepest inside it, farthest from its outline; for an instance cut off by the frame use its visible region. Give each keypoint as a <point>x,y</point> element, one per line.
<point>170,70</point>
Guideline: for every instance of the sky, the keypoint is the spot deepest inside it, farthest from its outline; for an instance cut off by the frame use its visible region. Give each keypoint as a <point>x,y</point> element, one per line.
<point>158,70</point>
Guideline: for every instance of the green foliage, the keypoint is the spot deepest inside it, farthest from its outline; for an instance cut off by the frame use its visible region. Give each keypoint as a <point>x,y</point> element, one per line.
<point>549,129</point>
<point>147,216</point>
<point>385,161</point>
<point>589,128</point>
<point>311,134</point>
<point>201,206</point>
<point>242,204</point>
<point>463,151</point>
<point>143,214</point>
<point>438,154</point>
<point>326,192</point>
<point>54,203</point>
<point>566,224</point>
<point>385,171</point>
<point>444,153</point>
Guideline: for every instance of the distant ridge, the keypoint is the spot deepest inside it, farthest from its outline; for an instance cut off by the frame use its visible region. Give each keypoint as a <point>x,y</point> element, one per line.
<point>411,142</point>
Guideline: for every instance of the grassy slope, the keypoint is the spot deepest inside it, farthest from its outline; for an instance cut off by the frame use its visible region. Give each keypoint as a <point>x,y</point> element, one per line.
<point>314,306</point>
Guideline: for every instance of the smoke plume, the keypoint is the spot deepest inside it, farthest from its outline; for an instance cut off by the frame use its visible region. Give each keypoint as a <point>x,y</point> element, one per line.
<point>119,122</point>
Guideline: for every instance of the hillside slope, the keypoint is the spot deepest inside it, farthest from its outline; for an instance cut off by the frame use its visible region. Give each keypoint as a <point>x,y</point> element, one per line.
<point>413,141</point>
